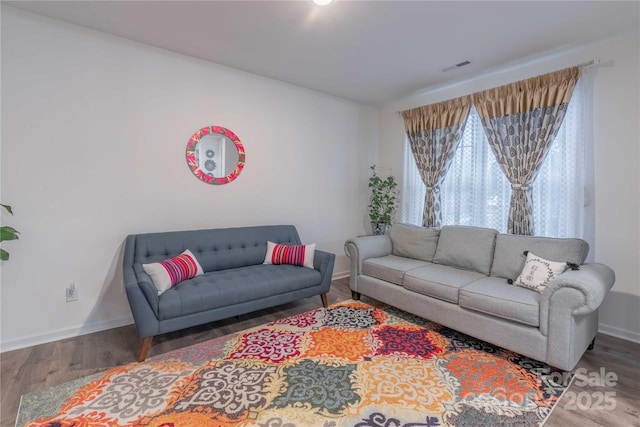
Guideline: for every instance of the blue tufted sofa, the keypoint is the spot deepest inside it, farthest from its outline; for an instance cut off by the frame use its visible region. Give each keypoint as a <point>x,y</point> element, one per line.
<point>235,280</point>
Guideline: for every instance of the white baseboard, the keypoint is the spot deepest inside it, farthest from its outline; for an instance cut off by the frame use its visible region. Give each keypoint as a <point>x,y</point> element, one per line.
<point>61,334</point>
<point>624,334</point>
<point>340,275</point>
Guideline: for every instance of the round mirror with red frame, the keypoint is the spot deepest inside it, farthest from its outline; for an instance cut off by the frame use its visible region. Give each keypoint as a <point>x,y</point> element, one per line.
<point>215,155</point>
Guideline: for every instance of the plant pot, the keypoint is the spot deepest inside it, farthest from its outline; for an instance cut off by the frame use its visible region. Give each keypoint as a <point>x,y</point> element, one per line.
<point>378,228</point>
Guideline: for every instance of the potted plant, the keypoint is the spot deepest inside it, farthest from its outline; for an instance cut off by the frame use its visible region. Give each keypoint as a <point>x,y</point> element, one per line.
<point>382,202</point>
<point>7,233</point>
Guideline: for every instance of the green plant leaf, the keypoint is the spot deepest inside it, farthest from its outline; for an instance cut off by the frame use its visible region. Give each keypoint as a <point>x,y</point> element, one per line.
<point>383,198</point>
<point>8,233</point>
<point>8,208</point>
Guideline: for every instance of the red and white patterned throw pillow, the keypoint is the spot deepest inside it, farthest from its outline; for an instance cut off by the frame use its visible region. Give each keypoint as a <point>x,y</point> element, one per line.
<point>300,255</point>
<point>168,273</point>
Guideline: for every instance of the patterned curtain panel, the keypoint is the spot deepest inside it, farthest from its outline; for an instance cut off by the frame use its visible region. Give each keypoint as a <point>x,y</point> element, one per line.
<point>521,120</point>
<point>434,132</point>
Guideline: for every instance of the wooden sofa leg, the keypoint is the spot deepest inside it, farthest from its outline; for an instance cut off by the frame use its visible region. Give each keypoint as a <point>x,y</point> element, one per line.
<point>592,345</point>
<point>146,345</point>
<point>325,303</point>
<point>355,295</point>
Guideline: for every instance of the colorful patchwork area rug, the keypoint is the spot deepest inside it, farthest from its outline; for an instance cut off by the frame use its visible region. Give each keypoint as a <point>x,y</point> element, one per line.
<point>351,364</point>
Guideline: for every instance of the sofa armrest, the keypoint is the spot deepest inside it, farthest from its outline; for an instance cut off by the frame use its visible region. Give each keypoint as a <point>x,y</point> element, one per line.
<point>578,291</point>
<point>146,286</point>
<point>135,276</point>
<point>324,262</point>
<point>141,293</point>
<point>145,319</point>
<point>358,249</point>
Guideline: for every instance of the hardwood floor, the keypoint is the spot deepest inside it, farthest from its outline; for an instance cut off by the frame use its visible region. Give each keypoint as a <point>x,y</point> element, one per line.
<point>30,369</point>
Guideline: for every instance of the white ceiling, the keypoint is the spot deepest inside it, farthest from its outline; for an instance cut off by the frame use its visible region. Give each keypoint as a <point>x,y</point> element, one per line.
<point>368,51</point>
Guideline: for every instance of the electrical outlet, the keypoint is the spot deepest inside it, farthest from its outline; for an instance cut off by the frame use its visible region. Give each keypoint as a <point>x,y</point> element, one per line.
<point>71,293</point>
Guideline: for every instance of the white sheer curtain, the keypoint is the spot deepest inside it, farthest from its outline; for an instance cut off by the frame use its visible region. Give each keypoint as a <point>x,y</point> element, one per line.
<point>476,192</point>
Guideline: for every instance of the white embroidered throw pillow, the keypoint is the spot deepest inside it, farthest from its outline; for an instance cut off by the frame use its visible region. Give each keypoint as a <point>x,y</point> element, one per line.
<point>537,272</point>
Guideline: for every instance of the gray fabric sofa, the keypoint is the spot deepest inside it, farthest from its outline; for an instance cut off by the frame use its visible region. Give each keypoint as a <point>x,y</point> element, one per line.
<point>457,276</point>
<point>235,280</point>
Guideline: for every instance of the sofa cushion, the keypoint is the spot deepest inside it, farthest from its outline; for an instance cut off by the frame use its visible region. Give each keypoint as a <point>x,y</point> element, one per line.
<point>390,268</point>
<point>509,257</point>
<point>234,286</point>
<point>469,248</point>
<point>414,242</point>
<point>439,281</point>
<point>496,297</point>
<point>215,249</point>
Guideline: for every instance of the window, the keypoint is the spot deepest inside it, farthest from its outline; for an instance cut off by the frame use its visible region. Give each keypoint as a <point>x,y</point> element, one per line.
<point>476,192</point>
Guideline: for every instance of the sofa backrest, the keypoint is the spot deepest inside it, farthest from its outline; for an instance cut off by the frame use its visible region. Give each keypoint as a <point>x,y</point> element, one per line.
<point>466,247</point>
<point>414,242</point>
<point>215,249</point>
<point>509,257</point>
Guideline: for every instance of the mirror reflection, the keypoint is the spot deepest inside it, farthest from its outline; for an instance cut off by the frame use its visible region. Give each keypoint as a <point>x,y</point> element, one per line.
<point>217,155</point>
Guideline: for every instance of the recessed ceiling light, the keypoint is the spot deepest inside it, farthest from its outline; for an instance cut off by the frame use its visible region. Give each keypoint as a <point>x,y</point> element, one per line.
<point>322,2</point>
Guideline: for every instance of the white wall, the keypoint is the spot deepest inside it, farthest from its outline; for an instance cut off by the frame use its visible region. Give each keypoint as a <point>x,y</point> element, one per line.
<point>94,130</point>
<point>616,131</point>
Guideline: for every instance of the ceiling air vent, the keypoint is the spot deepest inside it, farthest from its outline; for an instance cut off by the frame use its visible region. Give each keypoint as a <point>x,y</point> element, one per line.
<point>459,65</point>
